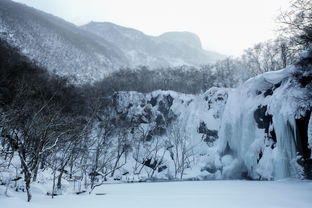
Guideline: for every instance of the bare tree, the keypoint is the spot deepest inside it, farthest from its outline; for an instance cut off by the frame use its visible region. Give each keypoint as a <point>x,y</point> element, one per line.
<point>181,150</point>
<point>296,22</point>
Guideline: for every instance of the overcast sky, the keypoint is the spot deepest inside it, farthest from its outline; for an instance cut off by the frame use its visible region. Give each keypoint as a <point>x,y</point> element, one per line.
<point>226,26</point>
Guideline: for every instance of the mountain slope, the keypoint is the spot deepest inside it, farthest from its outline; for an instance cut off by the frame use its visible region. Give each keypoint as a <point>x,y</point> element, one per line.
<point>169,49</point>
<point>56,44</point>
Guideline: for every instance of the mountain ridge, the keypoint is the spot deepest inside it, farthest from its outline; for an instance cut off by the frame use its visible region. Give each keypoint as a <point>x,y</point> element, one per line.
<point>68,50</point>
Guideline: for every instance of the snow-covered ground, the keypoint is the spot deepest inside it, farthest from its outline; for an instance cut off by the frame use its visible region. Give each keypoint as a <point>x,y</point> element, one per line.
<point>228,194</point>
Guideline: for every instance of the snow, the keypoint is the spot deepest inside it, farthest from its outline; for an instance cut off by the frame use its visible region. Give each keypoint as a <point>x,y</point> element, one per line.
<point>275,77</point>
<point>227,194</point>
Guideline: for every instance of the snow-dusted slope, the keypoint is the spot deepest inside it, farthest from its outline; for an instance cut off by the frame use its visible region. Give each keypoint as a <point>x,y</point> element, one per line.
<point>169,49</point>
<point>59,46</point>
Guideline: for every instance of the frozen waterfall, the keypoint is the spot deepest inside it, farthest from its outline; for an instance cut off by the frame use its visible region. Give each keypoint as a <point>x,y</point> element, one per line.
<point>258,126</point>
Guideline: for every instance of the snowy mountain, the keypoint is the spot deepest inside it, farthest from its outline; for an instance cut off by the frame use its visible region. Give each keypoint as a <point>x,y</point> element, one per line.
<point>70,50</point>
<point>169,49</point>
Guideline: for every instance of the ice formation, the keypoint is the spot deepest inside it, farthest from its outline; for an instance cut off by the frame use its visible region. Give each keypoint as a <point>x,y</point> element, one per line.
<point>259,125</point>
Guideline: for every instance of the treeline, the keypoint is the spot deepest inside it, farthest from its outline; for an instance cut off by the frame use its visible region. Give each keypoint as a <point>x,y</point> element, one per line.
<point>230,72</point>
<point>142,79</point>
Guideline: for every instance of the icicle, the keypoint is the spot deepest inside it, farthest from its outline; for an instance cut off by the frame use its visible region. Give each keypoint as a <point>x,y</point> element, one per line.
<point>285,147</point>
<point>310,134</point>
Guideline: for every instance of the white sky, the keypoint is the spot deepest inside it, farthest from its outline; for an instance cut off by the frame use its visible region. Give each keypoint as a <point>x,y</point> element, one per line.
<point>226,26</point>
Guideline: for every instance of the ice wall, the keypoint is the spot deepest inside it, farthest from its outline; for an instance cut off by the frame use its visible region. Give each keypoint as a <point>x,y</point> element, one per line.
<point>259,126</point>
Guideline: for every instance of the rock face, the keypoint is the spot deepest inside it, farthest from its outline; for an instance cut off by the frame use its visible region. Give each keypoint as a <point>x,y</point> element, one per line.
<point>184,38</point>
<point>170,135</point>
<point>168,49</point>
<point>92,51</point>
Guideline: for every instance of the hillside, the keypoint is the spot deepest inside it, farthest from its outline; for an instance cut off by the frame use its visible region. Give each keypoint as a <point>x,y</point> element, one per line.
<point>56,44</point>
<point>90,52</point>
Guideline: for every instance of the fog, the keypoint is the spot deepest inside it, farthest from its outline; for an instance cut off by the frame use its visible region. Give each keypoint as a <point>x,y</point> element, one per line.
<point>225,26</point>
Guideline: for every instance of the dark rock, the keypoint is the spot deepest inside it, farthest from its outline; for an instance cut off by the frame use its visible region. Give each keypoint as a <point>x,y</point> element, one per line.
<point>264,121</point>
<point>302,144</point>
<point>169,100</point>
<point>150,164</point>
<point>162,168</point>
<point>262,118</point>
<point>268,92</point>
<point>209,136</point>
<point>153,101</point>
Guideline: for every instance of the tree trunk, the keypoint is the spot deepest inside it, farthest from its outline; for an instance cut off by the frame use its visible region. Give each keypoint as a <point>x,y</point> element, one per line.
<point>59,179</point>
<point>116,162</point>
<point>94,172</point>
<point>53,187</point>
<point>27,172</point>
<point>35,173</point>
<point>27,184</point>
<point>71,169</point>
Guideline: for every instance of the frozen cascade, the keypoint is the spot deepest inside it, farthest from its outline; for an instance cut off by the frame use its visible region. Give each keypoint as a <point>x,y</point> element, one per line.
<point>285,156</point>
<point>258,126</point>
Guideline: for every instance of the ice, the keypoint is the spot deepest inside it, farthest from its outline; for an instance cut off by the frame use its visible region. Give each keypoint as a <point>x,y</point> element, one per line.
<point>278,94</point>
<point>286,147</point>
